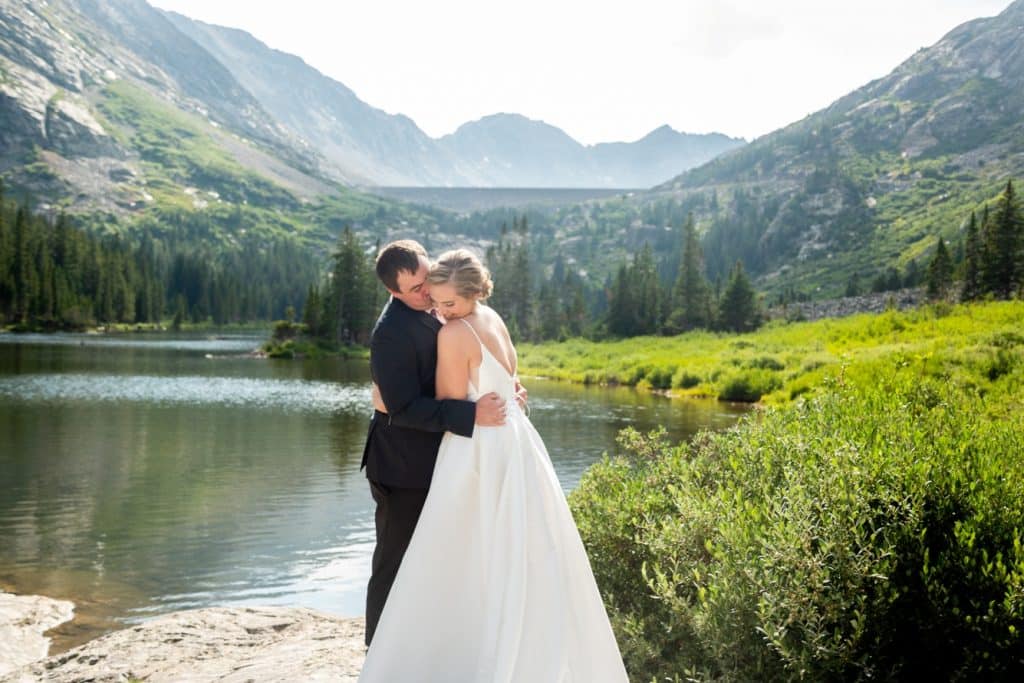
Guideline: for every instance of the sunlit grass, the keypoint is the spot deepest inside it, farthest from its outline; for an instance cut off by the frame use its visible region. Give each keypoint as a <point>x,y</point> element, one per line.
<point>785,360</point>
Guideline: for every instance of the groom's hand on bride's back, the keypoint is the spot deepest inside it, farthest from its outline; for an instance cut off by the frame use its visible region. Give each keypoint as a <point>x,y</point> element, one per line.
<point>490,410</point>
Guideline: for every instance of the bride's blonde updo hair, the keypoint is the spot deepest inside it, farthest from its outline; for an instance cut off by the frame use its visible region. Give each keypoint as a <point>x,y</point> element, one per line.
<point>464,270</point>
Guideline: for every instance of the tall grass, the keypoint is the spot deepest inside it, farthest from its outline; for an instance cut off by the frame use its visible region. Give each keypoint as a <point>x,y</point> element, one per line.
<point>785,360</point>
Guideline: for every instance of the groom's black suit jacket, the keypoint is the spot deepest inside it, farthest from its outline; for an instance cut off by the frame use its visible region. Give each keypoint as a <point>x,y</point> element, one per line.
<point>401,446</point>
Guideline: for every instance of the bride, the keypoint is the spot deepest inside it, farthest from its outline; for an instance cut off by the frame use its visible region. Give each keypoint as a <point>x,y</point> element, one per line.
<point>495,584</point>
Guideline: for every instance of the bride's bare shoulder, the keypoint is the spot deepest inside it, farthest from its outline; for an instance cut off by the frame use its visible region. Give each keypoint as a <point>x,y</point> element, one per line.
<point>496,321</point>
<point>455,334</point>
<point>490,315</point>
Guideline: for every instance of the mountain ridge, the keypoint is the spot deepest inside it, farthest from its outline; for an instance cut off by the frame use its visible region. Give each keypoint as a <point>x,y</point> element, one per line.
<point>870,181</point>
<point>389,149</point>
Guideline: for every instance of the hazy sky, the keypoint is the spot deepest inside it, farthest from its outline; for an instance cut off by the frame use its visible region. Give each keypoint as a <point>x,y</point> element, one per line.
<point>601,71</point>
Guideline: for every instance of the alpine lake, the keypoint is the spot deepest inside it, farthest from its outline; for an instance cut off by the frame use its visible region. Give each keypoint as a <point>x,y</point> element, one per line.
<point>142,474</point>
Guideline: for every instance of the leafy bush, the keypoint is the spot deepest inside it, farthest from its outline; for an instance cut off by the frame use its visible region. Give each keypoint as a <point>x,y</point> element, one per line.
<point>633,375</point>
<point>765,363</point>
<point>284,330</point>
<point>661,377</point>
<point>284,349</point>
<point>685,379</point>
<point>748,385</point>
<point>873,532</point>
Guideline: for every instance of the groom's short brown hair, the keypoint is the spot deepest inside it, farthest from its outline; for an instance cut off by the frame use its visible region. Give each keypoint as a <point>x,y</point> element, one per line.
<point>398,256</point>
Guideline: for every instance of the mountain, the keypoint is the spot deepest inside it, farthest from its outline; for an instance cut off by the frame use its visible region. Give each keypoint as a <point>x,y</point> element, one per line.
<point>658,154</point>
<point>113,105</point>
<point>871,181</point>
<point>369,146</point>
<point>116,109</point>
<point>512,150</point>
<point>105,105</point>
<point>360,143</point>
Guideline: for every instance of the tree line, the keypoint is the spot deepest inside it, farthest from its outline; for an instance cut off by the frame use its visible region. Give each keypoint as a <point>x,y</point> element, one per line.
<point>54,275</point>
<point>992,258</point>
<point>650,296</point>
<point>539,306</point>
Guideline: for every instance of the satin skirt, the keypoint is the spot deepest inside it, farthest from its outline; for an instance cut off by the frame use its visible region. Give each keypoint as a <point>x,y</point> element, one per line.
<point>495,585</point>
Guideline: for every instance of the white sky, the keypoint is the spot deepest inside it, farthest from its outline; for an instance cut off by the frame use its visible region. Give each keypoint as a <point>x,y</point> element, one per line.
<point>601,71</point>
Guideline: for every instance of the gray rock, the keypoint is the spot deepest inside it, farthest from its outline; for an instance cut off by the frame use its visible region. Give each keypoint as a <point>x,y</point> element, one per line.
<point>23,620</point>
<point>900,300</point>
<point>231,644</point>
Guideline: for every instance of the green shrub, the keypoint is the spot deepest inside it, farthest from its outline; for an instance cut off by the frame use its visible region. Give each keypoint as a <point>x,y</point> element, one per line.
<point>765,363</point>
<point>874,532</point>
<point>634,374</point>
<point>748,386</point>
<point>284,349</point>
<point>284,330</point>
<point>685,379</point>
<point>1006,340</point>
<point>661,377</point>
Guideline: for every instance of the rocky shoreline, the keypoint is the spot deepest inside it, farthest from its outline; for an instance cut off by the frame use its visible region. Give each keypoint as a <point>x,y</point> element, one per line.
<point>232,644</point>
<point>24,619</point>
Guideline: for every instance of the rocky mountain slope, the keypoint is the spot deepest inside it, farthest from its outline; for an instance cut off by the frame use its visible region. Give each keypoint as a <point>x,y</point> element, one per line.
<point>105,105</point>
<point>360,143</point>
<point>77,76</point>
<point>871,181</point>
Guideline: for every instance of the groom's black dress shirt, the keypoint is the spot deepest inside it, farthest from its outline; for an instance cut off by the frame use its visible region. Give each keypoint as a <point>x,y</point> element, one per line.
<point>401,447</point>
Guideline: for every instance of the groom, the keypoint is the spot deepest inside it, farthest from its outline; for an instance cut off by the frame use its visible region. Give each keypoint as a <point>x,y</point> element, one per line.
<point>402,443</point>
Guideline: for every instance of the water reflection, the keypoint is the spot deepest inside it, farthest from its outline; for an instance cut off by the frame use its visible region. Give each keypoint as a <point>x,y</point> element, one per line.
<point>138,477</point>
<point>259,394</point>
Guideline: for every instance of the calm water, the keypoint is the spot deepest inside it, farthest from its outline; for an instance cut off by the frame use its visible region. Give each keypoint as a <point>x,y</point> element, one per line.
<point>142,475</point>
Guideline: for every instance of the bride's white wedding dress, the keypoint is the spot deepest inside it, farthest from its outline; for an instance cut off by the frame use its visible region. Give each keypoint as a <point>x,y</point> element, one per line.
<point>495,584</point>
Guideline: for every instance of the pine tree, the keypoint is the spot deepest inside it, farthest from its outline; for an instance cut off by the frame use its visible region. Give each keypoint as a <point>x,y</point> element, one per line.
<point>549,312</point>
<point>691,296</point>
<point>646,292</point>
<point>180,312</point>
<point>940,272</point>
<point>509,264</point>
<point>6,258</point>
<point>522,289</point>
<point>523,281</point>
<point>24,274</point>
<point>312,311</point>
<point>853,287</point>
<point>350,291</point>
<point>621,307</point>
<point>739,310</point>
<point>972,283</point>
<point>575,304</point>
<point>912,274</point>
<point>1003,269</point>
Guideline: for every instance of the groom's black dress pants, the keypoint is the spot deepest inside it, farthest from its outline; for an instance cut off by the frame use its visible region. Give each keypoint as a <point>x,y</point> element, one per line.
<point>398,510</point>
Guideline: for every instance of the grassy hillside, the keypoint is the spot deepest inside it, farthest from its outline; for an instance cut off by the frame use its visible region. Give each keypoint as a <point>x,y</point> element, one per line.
<point>194,180</point>
<point>177,150</point>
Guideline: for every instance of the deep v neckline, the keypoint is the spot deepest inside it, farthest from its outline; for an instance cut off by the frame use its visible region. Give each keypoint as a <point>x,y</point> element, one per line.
<point>485,350</point>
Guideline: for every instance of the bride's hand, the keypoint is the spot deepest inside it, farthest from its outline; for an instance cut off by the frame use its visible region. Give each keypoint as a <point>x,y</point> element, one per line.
<point>378,402</point>
<point>521,396</point>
